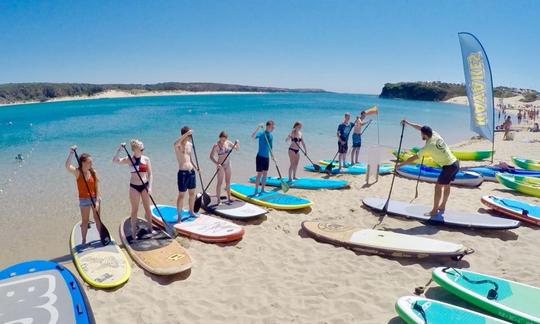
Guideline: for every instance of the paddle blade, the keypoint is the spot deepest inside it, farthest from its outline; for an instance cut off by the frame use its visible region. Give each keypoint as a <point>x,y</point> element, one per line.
<point>198,203</point>
<point>284,186</point>
<point>206,199</point>
<point>328,168</point>
<point>169,229</point>
<point>104,235</point>
<point>316,167</point>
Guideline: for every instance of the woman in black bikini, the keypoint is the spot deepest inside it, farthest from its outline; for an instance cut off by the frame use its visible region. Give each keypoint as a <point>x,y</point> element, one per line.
<point>221,149</point>
<point>138,190</point>
<point>295,138</point>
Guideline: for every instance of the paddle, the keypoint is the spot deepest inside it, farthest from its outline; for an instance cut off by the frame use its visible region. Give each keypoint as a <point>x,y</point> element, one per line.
<point>205,197</point>
<point>315,166</point>
<point>284,185</point>
<point>104,235</point>
<point>385,208</point>
<point>169,229</point>
<point>418,179</point>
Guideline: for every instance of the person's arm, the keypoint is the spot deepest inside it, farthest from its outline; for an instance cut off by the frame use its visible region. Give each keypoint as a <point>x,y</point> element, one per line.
<point>213,153</point>
<point>256,131</point>
<point>71,169</point>
<point>236,145</point>
<point>98,192</point>
<point>117,159</point>
<point>337,135</point>
<point>182,139</point>
<point>408,161</point>
<point>149,175</point>
<point>288,138</point>
<point>413,125</point>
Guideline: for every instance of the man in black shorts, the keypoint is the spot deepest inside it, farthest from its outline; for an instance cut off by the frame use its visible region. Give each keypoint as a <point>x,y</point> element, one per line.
<point>343,132</point>
<point>262,160</point>
<point>437,149</point>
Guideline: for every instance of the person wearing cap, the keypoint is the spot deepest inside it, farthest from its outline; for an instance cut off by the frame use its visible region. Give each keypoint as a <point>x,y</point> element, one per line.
<point>437,149</point>
<point>343,131</point>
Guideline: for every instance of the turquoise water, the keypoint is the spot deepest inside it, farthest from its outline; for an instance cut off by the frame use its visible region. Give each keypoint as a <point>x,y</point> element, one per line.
<point>42,133</point>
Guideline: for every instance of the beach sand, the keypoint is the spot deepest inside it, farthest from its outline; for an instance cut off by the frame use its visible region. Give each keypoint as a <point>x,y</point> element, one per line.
<point>276,274</point>
<point>514,101</point>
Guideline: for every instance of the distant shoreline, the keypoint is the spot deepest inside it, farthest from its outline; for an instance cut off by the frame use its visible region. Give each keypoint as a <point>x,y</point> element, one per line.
<point>111,94</point>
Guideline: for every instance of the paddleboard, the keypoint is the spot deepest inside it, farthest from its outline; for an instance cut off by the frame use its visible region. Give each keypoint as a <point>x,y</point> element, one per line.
<point>236,209</point>
<point>489,172</point>
<point>383,242</point>
<point>428,161</point>
<point>513,301</point>
<point>360,168</point>
<point>430,174</point>
<point>100,266</point>
<point>448,218</point>
<point>273,199</point>
<point>156,253</point>
<point>42,292</point>
<point>306,183</point>
<point>514,208</point>
<point>466,155</point>
<point>204,228</point>
<point>419,310</point>
<point>526,164</point>
<point>527,185</point>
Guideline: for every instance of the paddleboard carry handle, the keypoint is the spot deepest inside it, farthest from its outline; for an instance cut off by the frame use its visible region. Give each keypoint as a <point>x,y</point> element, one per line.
<point>492,293</point>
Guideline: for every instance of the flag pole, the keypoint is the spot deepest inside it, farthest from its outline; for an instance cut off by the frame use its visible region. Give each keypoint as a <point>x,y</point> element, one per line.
<point>378,132</point>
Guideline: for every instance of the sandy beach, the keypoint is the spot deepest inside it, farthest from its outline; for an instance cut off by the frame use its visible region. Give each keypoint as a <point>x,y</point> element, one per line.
<point>276,274</point>
<point>514,101</point>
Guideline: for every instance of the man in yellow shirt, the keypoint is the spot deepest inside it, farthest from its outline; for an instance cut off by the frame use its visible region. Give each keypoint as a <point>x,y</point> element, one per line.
<point>437,149</point>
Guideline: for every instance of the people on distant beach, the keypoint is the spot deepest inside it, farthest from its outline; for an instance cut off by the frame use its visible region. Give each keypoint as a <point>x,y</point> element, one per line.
<point>140,184</point>
<point>295,138</point>
<point>262,160</point>
<point>19,157</point>
<point>219,155</point>
<point>506,126</point>
<point>357,137</point>
<point>87,182</point>
<point>343,131</point>
<point>519,117</point>
<point>437,149</point>
<point>535,128</point>
<point>186,179</point>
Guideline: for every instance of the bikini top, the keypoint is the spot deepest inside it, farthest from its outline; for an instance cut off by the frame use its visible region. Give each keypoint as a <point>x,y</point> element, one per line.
<point>296,139</point>
<point>139,165</point>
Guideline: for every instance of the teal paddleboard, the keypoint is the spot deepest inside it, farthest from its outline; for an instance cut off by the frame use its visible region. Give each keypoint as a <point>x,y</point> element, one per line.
<point>306,183</point>
<point>360,168</point>
<point>513,301</point>
<point>273,199</point>
<point>415,309</point>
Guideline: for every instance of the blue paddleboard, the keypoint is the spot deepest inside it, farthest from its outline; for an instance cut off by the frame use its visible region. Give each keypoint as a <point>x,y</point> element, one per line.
<point>273,199</point>
<point>306,183</point>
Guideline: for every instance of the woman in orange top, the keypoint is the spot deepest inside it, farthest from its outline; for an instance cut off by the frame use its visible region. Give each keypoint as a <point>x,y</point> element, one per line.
<point>85,198</point>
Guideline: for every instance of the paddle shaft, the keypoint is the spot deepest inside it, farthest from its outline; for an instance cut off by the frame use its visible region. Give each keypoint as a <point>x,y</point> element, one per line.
<point>363,130</point>
<point>171,229</point>
<point>272,155</point>
<point>418,179</point>
<point>221,164</point>
<point>385,208</point>
<point>198,167</point>
<point>304,152</point>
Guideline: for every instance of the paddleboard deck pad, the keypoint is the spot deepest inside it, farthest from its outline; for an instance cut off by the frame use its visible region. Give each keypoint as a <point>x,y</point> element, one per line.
<point>42,292</point>
<point>448,218</point>
<point>513,301</point>
<point>236,209</point>
<point>514,208</point>
<point>383,242</point>
<point>101,266</point>
<point>155,252</point>
<point>306,183</point>
<point>360,168</point>
<point>273,199</point>
<point>431,174</point>
<point>419,310</point>
<point>203,227</point>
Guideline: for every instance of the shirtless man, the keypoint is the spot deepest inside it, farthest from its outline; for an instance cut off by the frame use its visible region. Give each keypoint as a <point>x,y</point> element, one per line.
<point>357,137</point>
<point>186,171</point>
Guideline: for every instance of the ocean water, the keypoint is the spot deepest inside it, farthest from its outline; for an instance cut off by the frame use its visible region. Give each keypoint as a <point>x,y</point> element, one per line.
<point>38,197</point>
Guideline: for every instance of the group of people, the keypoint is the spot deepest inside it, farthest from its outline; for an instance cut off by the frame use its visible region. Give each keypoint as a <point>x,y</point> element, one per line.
<point>343,131</point>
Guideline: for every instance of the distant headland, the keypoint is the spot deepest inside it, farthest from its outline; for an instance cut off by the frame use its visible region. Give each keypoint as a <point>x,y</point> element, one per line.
<point>14,93</point>
<point>442,91</point>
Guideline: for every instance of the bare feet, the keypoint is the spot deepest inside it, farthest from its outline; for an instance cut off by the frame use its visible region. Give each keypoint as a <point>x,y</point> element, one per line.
<point>432,213</point>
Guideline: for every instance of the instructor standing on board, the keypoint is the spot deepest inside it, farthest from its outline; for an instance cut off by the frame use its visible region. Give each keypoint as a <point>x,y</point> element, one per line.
<point>437,149</point>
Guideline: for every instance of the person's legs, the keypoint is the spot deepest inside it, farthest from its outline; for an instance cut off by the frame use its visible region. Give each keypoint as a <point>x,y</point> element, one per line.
<point>446,194</point>
<point>257,181</point>
<point>97,220</point>
<point>85,218</point>
<point>191,193</point>
<point>134,199</point>
<point>228,173</point>
<point>291,163</point>
<point>145,197</point>
<point>219,183</point>
<point>263,180</point>
<point>436,200</point>
<point>295,165</point>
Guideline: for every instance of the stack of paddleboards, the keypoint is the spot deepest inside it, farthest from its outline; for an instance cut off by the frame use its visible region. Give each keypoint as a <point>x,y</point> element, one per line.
<point>101,266</point>
<point>505,299</point>
<point>348,168</point>
<point>273,199</point>
<point>42,292</point>
<point>514,208</point>
<point>306,183</point>
<point>383,242</point>
<point>430,174</point>
<point>527,185</point>
<point>489,172</point>
<point>202,227</point>
<point>466,155</point>
<point>447,217</point>
<point>154,251</point>
<point>234,209</point>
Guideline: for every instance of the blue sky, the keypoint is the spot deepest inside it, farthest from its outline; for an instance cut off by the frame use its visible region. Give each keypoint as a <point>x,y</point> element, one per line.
<point>349,46</point>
